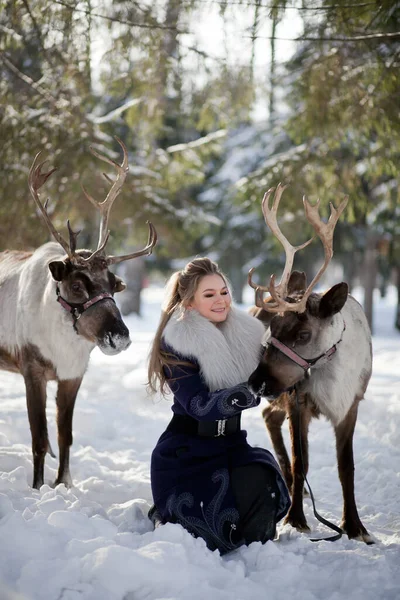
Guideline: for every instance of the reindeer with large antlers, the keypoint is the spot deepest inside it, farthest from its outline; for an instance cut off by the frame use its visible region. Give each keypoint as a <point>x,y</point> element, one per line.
<point>317,348</point>
<point>56,305</point>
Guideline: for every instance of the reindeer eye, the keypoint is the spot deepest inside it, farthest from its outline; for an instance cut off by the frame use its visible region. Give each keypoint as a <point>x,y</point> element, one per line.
<point>76,287</point>
<point>303,336</point>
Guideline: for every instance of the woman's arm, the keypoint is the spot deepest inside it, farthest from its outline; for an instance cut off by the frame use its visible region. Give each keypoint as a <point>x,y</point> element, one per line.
<point>194,396</point>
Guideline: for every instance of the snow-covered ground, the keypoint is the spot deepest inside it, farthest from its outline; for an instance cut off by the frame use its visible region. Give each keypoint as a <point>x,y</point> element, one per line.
<point>94,541</point>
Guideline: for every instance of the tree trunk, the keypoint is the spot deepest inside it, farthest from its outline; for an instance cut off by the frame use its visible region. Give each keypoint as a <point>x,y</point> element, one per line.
<point>88,64</point>
<point>133,274</point>
<point>168,73</point>
<point>370,272</point>
<point>254,31</point>
<point>235,276</point>
<point>272,70</point>
<point>397,319</point>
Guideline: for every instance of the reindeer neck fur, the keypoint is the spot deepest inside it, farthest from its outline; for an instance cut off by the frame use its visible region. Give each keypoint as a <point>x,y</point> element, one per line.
<point>227,353</point>
<point>33,296</point>
<point>334,385</point>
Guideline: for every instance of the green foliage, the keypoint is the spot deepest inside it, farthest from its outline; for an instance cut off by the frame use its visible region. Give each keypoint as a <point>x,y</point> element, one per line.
<point>170,103</point>
<point>347,97</point>
<point>225,101</point>
<point>343,131</point>
<point>57,99</point>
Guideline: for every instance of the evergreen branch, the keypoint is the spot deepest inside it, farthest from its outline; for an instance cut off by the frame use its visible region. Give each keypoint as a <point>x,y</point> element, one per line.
<point>11,32</point>
<point>372,89</point>
<point>115,19</point>
<point>26,79</point>
<point>357,38</point>
<point>36,27</point>
<point>34,85</point>
<point>226,3</point>
<point>205,55</point>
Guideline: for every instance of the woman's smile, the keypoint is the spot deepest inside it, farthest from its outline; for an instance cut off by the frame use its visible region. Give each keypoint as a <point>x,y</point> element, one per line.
<point>212,299</point>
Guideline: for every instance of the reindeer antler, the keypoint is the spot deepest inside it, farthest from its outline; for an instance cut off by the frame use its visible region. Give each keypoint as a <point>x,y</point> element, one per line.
<point>151,242</point>
<point>36,179</point>
<point>105,207</point>
<point>323,230</point>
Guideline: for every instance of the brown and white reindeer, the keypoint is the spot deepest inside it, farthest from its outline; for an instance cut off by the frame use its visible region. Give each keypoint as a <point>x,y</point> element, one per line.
<point>56,305</point>
<point>317,347</point>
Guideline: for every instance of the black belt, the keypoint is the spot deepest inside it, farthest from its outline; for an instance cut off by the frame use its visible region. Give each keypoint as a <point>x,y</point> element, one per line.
<point>190,426</point>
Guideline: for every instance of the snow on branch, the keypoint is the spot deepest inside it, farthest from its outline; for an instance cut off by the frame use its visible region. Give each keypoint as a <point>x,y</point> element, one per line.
<point>215,135</point>
<point>114,113</point>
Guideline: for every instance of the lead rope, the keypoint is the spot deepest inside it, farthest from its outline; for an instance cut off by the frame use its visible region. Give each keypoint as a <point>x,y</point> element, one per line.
<point>340,532</point>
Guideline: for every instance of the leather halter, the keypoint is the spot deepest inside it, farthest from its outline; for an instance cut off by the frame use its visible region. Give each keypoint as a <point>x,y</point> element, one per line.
<point>76,309</point>
<point>305,363</point>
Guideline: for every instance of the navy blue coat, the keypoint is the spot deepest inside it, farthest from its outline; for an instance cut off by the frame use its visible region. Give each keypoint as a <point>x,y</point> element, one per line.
<point>190,474</point>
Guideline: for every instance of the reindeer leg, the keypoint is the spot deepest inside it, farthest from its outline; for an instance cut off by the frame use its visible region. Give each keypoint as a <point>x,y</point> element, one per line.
<point>351,522</point>
<point>298,428</point>
<point>36,404</point>
<point>66,395</point>
<point>274,418</point>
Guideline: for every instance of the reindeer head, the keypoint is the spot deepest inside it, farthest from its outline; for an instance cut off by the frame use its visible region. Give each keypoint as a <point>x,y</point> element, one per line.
<point>304,331</point>
<point>85,285</point>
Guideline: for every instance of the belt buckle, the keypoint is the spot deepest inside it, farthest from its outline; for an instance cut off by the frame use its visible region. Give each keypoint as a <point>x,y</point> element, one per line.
<point>221,426</point>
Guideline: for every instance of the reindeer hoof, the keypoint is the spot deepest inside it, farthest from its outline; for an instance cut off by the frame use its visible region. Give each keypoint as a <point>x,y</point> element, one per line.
<point>368,539</point>
<point>358,533</point>
<point>65,479</point>
<point>363,536</point>
<point>298,523</point>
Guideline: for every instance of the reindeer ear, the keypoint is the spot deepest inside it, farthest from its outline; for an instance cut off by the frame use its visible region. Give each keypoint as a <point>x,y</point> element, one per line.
<point>297,283</point>
<point>58,269</point>
<point>120,284</point>
<point>333,300</point>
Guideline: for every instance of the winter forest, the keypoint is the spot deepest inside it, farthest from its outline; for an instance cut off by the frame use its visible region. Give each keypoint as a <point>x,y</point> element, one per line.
<point>216,101</point>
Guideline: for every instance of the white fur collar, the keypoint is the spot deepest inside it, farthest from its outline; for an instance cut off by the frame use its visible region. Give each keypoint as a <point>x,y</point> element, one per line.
<point>227,353</point>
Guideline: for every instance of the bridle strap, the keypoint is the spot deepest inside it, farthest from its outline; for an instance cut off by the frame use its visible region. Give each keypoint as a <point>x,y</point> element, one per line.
<point>296,358</point>
<point>305,363</point>
<point>76,310</point>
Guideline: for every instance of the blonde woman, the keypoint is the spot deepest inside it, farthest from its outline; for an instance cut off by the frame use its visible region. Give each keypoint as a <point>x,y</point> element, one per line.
<point>204,474</point>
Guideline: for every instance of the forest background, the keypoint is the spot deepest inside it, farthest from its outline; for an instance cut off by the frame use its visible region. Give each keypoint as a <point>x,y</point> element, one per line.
<point>78,73</point>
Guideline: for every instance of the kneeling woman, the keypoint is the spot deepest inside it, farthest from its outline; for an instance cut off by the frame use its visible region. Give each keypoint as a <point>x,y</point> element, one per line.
<point>204,474</point>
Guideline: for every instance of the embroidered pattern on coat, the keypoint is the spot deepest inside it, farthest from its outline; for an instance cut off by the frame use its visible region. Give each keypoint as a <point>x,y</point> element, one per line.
<point>210,527</point>
<point>226,401</point>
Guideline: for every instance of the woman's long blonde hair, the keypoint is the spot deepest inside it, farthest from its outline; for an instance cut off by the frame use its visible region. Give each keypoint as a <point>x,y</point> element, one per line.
<point>180,291</point>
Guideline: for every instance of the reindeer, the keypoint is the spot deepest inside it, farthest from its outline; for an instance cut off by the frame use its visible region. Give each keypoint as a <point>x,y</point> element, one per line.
<point>56,305</point>
<point>317,347</point>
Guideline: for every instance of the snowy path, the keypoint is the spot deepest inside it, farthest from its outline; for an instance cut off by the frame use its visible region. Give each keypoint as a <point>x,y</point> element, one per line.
<point>94,542</point>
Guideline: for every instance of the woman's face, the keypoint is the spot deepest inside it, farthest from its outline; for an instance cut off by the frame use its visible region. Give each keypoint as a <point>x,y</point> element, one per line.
<point>212,298</point>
